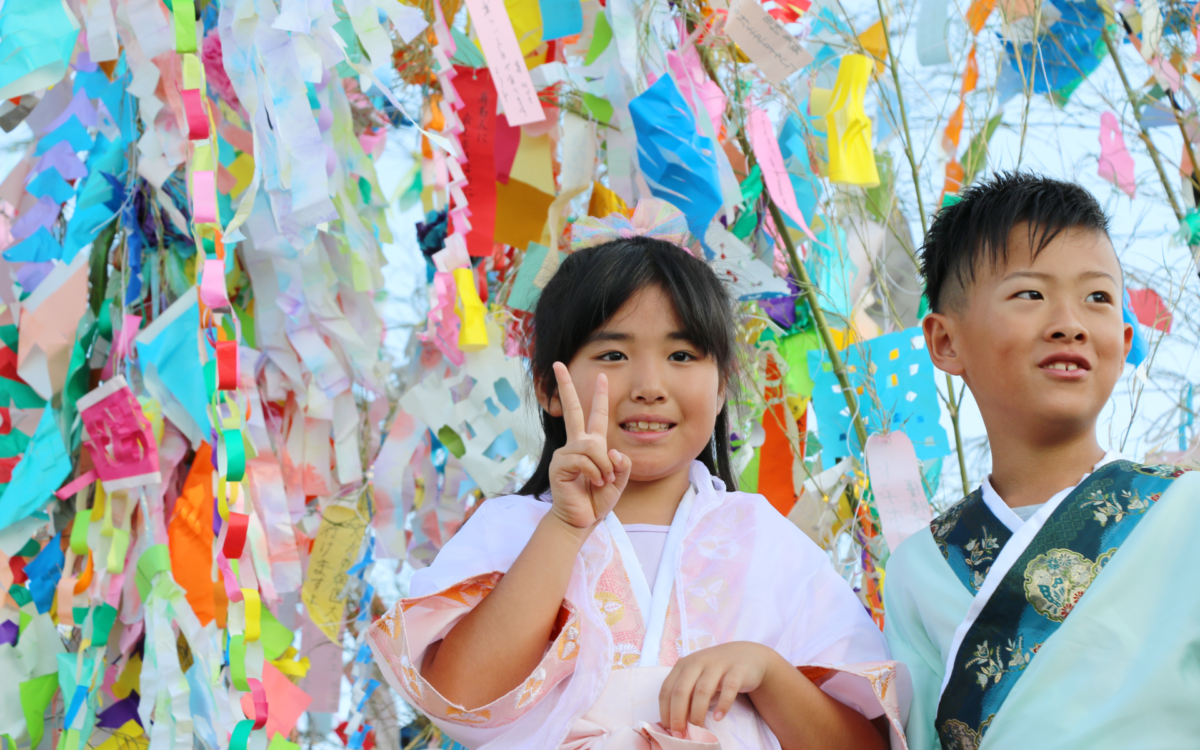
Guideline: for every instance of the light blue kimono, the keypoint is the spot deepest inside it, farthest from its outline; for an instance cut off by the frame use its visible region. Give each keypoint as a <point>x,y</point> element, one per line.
<point>1101,651</point>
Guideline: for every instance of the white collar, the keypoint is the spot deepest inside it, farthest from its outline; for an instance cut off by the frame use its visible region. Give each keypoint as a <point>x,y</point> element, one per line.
<point>653,604</point>
<point>1002,511</point>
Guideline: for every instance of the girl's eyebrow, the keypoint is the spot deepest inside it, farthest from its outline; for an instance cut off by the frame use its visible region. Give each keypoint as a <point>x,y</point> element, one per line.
<point>606,335</point>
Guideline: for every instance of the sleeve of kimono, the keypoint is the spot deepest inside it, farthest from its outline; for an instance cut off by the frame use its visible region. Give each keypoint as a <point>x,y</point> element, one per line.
<point>833,641</point>
<point>910,643</point>
<point>466,571</point>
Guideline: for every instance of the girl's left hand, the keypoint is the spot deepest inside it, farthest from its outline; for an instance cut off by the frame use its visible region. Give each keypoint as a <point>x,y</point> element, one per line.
<point>728,669</point>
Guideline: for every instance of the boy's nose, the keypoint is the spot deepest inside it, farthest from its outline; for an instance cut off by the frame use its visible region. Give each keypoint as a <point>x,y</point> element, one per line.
<point>1068,329</point>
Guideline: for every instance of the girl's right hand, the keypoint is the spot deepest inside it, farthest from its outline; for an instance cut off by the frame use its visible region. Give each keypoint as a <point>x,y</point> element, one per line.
<point>586,479</point>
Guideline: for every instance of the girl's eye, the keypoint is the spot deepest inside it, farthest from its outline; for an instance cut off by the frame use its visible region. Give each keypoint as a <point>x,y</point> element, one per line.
<point>611,357</point>
<point>1102,297</point>
<point>1029,294</point>
<point>682,357</point>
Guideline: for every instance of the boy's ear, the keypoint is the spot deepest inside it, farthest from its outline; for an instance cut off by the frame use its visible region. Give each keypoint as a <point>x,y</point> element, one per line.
<point>1128,343</point>
<point>940,339</point>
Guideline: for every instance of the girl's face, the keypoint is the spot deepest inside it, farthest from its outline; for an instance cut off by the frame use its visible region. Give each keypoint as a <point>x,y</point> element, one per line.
<point>664,394</point>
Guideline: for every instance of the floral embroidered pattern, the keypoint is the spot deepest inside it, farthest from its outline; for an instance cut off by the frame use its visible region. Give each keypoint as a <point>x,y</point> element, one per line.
<point>981,553</point>
<point>991,661</point>
<point>970,536</point>
<point>610,606</point>
<point>1055,581</point>
<point>625,655</point>
<point>568,641</point>
<point>530,688</point>
<point>411,677</point>
<point>1116,506</point>
<point>956,735</point>
<point>467,717</point>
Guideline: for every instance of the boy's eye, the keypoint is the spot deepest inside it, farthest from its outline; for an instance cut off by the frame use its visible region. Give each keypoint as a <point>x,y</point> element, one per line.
<point>1102,297</point>
<point>611,357</point>
<point>1029,294</point>
<point>682,357</point>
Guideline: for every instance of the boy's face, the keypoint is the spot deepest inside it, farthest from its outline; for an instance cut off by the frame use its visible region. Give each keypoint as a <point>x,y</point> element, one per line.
<point>1041,342</point>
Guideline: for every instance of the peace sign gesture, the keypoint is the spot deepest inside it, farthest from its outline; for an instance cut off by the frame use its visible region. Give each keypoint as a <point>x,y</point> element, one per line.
<point>586,479</point>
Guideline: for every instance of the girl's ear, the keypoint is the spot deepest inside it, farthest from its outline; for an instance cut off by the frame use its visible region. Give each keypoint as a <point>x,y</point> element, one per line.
<point>551,405</point>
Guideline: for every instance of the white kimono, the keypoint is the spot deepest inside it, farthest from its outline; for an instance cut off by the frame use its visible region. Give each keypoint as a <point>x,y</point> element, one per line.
<point>733,570</point>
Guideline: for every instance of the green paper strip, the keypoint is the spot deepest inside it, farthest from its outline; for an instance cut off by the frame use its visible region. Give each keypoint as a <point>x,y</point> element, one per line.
<point>278,742</point>
<point>118,549</point>
<point>103,618</point>
<point>601,36</point>
<point>235,456</point>
<point>185,27</point>
<point>275,637</point>
<point>36,695</point>
<point>153,561</point>
<point>237,666</point>
<point>79,533</point>
<point>241,735</point>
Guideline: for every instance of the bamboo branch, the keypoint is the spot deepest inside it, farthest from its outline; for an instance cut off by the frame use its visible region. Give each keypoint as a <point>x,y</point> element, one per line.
<point>951,402</point>
<point>810,295</point>
<point>1143,132</point>
<point>908,149</point>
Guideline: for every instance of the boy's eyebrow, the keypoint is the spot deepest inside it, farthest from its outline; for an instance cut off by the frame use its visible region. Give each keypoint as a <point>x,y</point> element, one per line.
<point>1046,277</point>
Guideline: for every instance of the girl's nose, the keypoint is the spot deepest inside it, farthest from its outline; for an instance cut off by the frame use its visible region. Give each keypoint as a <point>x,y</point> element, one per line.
<point>648,387</point>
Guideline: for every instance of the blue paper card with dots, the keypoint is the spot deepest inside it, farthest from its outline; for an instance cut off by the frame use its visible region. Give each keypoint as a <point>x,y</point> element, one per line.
<point>893,377</point>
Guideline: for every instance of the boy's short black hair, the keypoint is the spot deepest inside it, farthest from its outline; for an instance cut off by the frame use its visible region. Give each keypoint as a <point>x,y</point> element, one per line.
<point>977,227</point>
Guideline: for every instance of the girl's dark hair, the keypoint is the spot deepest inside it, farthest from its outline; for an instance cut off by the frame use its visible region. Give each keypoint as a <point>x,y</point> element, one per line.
<point>589,287</point>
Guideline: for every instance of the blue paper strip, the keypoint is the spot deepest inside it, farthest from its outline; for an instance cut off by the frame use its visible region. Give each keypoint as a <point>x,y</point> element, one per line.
<point>679,164</point>
<point>560,18</point>
<point>34,481</point>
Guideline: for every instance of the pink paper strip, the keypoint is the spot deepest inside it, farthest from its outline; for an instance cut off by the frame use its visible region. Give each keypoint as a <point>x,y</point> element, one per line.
<point>193,107</point>
<point>775,175</point>
<point>129,329</point>
<point>896,483</point>
<point>204,197</point>
<point>1116,165</point>
<point>506,62</point>
<point>212,284</point>
<point>232,591</point>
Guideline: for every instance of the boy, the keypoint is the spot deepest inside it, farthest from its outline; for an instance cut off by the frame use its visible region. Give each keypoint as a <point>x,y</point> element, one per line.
<point>1055,606</point>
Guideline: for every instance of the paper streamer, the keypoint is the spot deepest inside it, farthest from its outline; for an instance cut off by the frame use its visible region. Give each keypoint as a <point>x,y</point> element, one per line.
<point>775,174</point>
<point>765,41</point>
<point>896,485</point>
<point>1116,164</point>
<point>505,61</point>
<point>931,33</point>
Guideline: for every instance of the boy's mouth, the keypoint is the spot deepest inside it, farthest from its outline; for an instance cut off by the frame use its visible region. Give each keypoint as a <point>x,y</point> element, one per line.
<point>1075,364</point>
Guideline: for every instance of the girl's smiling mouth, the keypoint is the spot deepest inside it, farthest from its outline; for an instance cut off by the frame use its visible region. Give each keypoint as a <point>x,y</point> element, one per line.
<point>646,426</point>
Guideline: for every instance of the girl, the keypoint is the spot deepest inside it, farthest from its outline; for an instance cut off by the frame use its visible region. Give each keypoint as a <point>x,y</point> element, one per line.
<point>626,597</point>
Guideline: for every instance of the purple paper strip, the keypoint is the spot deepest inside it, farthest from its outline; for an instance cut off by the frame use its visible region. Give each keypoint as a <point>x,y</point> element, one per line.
<point>9,631</point>
<point>81,106</point>
<point>120,713</point>
<point>42,214</point>
<point>29,275</point>
<point>62,157</point>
